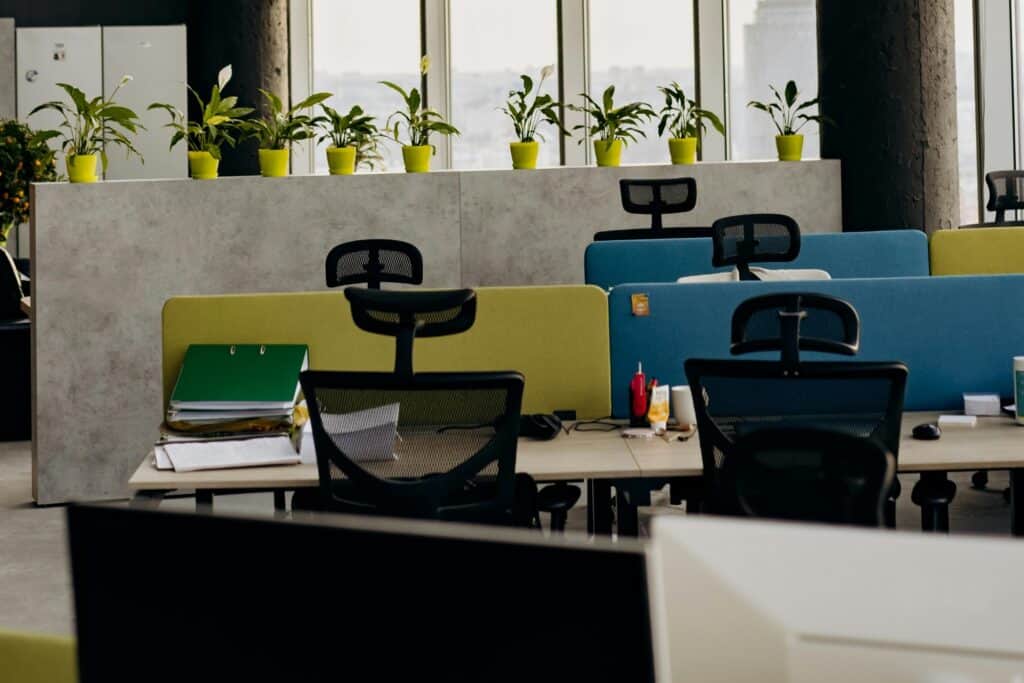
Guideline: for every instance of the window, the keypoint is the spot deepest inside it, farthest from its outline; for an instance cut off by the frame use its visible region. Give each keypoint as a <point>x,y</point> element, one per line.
<point>770,42</point>
<point>638,46</point>
<point>355,45</point>
<point>491,45</point>
<point>966,120</point>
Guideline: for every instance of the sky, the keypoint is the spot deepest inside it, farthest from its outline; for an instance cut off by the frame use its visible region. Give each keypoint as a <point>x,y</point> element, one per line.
<point>385,33</point>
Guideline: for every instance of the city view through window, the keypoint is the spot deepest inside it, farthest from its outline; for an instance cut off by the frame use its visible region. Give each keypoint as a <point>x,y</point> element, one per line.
<point>355,45</point>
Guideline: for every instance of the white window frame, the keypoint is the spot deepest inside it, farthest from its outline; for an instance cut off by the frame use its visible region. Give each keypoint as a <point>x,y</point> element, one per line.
<point>995,89</point>
<point>710,50</point>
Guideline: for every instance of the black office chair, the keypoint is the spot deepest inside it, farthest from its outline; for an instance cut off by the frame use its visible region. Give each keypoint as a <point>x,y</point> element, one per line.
<point>407,315</point>
<point>436,445</point>
<point>450,454</point>
<point>1005,193</point>
<point>809,475</point>
<point>754,238</point>
<point>374,262</point>
<point>735,398</point>
<point>15,356</point>
<point>656,198</point>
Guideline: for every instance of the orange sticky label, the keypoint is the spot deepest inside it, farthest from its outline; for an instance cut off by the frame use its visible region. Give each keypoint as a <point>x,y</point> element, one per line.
<point>641,305</point>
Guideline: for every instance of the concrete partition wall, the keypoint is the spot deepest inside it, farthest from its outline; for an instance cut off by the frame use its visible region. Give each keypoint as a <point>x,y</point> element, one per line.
<point>107,256</point>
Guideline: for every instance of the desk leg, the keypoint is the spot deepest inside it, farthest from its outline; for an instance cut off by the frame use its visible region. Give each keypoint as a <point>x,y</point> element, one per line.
<point>599,507</point>
<point>280,510</point>
<point>146,500</point>
<point>934,492</point>
<point>626,514</point>
<point>1017,502</point>
<point>204,500</point>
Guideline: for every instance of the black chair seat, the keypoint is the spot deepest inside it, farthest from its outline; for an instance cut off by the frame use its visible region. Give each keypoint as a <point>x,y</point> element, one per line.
<point>558,498</point>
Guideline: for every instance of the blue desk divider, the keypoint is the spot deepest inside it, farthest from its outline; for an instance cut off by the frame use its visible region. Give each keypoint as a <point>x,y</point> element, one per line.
<point>887,253</point>
<point>955,334</point>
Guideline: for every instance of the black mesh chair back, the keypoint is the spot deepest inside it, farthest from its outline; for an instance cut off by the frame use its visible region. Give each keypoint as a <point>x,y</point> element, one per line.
<point>432,445</point>
<point>809,475</point>
<point>374,262</point>
<point>406,315</point>
<point>754,238</point>
<point>736,398</point>
<point>1005,193</point>
<point>656,198</point>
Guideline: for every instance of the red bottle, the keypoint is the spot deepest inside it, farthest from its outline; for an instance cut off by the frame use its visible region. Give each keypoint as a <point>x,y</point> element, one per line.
<point>638,398</point>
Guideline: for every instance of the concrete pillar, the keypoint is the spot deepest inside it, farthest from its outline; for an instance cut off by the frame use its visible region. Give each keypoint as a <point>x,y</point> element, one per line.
<point>887,77</point>
<point>252,36</point>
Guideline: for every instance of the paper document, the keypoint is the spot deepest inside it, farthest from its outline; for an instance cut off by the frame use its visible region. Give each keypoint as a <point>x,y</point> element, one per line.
<point>224,415</point>
<point>218,455</point>
<point>367,435</point>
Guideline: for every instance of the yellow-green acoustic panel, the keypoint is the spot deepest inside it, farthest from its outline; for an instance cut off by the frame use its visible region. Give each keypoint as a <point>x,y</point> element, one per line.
<point>556,336</point>
<point>31,658</point>
<point>977,251</point>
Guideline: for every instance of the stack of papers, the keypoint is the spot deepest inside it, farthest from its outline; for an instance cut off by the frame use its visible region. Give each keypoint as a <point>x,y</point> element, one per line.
<point>364,436</point>
<point>235,384</point>
<point>193,456</point>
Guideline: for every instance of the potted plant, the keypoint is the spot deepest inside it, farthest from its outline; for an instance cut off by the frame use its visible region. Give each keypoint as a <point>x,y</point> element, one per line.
<point>90,125</point>
<point>527,115</point>
<point>278,128</point>
<point>347,133</point>
<point>220,124</point>
<point>419,122</point>
<point>25,158</point>
<point>611,125</point>
<point>685,122</point>
<point>788,115</point>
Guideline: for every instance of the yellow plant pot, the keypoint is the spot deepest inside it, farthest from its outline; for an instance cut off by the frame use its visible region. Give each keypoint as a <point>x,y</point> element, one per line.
<point>790,147</point>
<point>683,150</point>
<point>417,158</point>
<point>273,163</point>
<point>608,152</point>
<point>524,154</point>
<point>341,160</point>
<point>82,168</point>
<point>202,165</point>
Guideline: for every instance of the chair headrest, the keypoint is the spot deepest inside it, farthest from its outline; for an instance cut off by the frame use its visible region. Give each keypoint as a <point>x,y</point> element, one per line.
<point>1005,190</point>
<point>793,322</point>
<point>658,197</point>
<point>754,238</point>
<point>373,262</point>
<point>431,313</point>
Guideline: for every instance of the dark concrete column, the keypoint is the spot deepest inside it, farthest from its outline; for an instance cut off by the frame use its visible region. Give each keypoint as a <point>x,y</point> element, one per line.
<point>887,77</point>
<point>252,36</point>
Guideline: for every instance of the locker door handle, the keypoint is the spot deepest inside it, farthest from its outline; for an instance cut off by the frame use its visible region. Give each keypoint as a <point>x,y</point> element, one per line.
<point>31,75</point>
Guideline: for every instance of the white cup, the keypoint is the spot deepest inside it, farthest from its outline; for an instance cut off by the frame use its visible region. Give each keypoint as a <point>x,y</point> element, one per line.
<point>682,406</point>
<point>1018,387</point>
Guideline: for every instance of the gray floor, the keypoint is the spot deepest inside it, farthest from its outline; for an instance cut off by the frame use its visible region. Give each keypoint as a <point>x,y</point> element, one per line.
<point>35,590</point>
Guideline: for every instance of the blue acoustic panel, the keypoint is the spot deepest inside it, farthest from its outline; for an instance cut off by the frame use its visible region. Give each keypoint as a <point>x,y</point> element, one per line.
<point>955,334</point>
<point>887,253</point>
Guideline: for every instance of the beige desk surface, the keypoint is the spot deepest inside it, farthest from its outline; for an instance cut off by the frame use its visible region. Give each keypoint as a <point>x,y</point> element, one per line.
<point>579,455</point>
<point>26,305</point>
<point>996,443</point>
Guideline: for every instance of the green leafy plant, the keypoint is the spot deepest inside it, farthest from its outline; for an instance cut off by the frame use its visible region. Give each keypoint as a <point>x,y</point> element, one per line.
<point>527,114</point>
<point>221,120</point>
<point>25,158</point>
<point>279,127</point>
<point>787,112</point>
<point>609,122</point>
<point>681,116</point>
<point>420,122</point>
<point>346,130</point>
<point>90,125</point>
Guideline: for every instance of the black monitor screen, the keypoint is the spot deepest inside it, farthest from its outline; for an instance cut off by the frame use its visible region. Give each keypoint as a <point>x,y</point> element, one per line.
<point>184,597</point>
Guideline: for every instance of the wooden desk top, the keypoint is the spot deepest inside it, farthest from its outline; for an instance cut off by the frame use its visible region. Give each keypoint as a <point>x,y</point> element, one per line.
<point>996,443</point>
<point>578,455</point>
